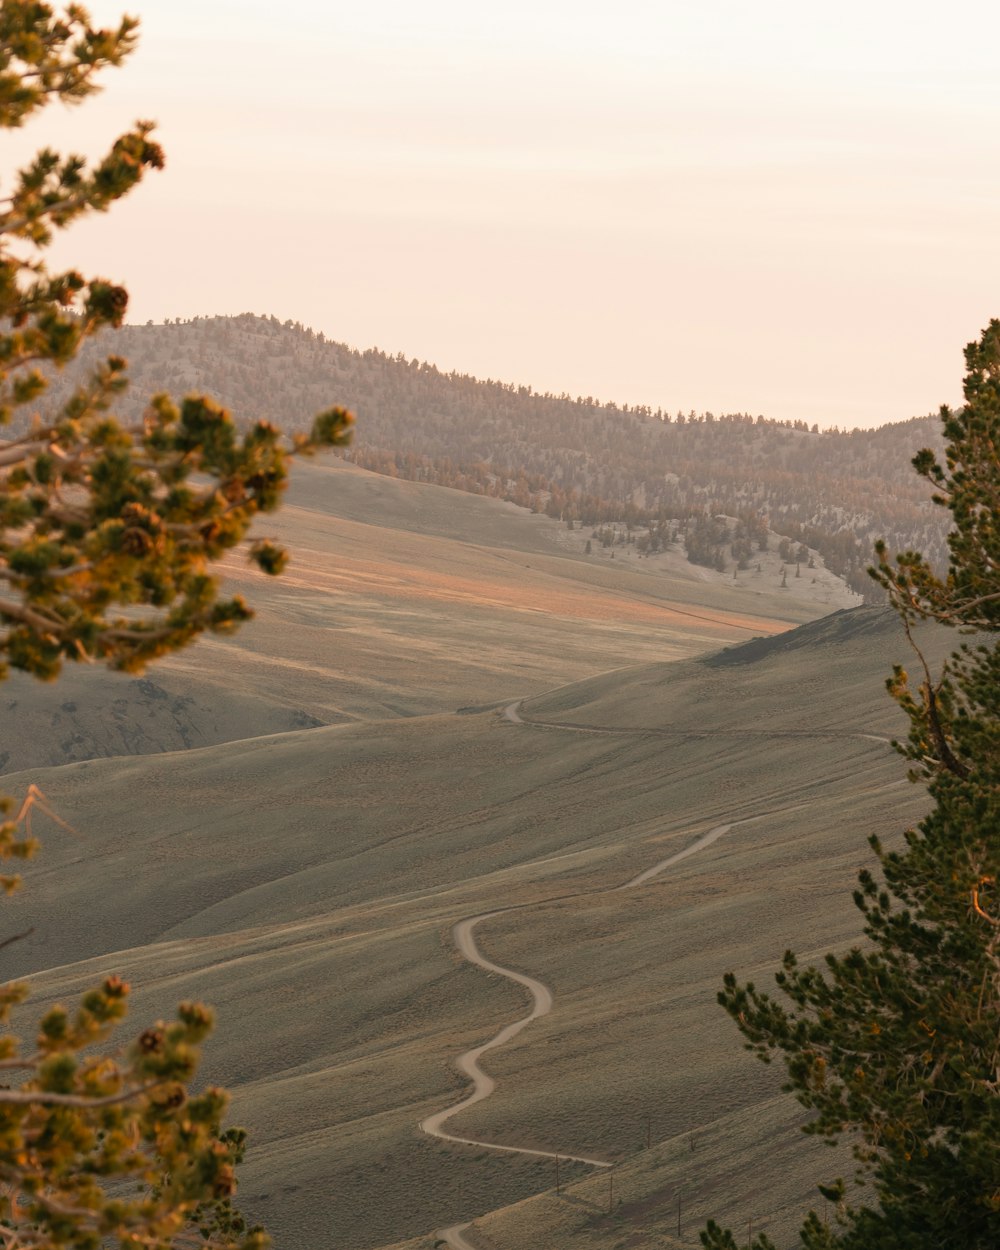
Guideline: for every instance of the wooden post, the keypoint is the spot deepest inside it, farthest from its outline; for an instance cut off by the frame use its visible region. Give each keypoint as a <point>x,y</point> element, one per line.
<point>678,1213</point>
<point>611,1189</point>
<point>749,1230</point>
<point>557,1174</point>
<point>649,1130</point>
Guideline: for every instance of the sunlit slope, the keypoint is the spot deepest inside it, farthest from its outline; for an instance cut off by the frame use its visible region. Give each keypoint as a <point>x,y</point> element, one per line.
<point>306,883</point>
<point>404,599</point>
<point>401,599</point>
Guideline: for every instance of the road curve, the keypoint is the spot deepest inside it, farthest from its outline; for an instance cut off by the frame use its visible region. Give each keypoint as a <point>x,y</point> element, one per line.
<point>513,712</point>
<point>541,1004</point>
<point>453,1237</point>
<point>468,1063</point>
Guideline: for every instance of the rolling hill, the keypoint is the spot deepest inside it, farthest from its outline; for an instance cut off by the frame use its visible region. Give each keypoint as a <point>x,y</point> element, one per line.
<point>507,726</point>
<point>576,458</point>
<point>403,599</point>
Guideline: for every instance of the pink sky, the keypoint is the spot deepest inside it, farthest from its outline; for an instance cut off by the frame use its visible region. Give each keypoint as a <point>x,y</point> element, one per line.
<point>769,208</point>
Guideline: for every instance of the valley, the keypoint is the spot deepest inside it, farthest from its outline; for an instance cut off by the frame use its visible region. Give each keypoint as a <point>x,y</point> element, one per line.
<point>639,775</point>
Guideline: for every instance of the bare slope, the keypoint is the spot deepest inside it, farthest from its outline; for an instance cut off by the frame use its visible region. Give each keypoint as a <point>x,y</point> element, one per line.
<point>307,883</point>
<point>401,600</point>
<point>405,599</point>
<point>87,715</point>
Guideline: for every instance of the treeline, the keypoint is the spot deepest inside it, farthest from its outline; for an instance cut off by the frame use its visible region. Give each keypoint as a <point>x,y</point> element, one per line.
<point>574,458</point>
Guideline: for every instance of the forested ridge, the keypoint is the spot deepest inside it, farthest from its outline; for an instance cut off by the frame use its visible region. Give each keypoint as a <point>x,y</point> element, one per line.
<point>576,458</point>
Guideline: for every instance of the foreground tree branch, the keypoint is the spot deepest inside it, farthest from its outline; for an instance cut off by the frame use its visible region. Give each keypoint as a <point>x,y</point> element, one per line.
<point>109,534</point>
<point>898,1043</point>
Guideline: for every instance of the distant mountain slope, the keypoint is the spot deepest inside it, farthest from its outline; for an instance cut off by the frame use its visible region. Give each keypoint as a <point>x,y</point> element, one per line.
<point>400,599</point>
<point>576,458</point>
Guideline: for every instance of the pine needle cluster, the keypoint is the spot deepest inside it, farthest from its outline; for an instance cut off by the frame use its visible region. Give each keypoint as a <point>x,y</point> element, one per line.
<point>108,535</point>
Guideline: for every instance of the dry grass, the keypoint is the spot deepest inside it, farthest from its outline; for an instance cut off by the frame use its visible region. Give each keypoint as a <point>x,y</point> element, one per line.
<point>306,883</point>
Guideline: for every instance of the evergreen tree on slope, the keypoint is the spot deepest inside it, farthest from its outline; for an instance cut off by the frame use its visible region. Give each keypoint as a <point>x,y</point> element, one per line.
<point>897,1044</point>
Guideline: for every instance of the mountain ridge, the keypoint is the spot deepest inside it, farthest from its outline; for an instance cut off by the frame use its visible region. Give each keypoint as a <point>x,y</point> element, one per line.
<point>576,459</point>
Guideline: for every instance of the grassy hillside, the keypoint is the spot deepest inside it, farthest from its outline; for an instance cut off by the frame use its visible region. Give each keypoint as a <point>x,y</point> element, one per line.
<point>307,883</point>
<point>402,599</point>
<point>290,823</point>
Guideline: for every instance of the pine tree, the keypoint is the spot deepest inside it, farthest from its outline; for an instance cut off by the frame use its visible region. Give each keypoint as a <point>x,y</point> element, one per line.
<point>897,1043</point>
<point>107,536</point>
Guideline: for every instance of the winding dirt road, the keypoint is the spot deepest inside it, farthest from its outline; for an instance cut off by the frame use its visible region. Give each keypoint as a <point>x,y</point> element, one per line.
<point>541,996</point>
<point>453,1237</point>
<point>541,1004</point>
<point>468,1063</point>
<point>483,1084</point>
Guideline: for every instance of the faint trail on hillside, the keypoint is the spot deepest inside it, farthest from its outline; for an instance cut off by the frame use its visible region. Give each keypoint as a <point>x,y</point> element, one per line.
<point>706,839</point>
<point>512,713</point>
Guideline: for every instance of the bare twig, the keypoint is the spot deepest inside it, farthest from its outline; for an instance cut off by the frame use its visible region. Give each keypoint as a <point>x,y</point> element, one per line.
<point>41,1097</point>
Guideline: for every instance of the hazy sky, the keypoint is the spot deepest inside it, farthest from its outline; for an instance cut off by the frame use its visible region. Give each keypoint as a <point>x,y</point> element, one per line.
<point>773,207</point>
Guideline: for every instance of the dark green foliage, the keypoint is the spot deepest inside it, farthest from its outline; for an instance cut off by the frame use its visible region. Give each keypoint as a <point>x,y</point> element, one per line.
<point>705,540</point>
<point>898,1043</point>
